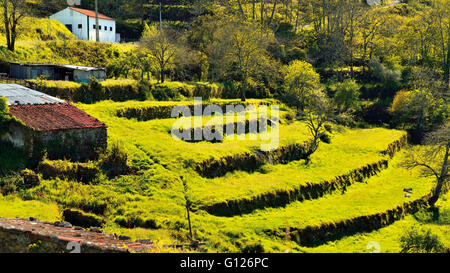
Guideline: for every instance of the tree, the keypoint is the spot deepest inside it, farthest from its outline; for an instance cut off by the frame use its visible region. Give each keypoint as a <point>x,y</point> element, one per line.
<point>419,110</point>
<point>301,81</point>
<point>237,46</point>
<point>14,12</point>
<point>320,111</point>
<point>432,159</point>
<point>248,44</point>
<point>160,48</point>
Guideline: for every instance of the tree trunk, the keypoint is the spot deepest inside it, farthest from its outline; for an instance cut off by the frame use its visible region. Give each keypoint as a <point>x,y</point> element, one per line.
<point>436,193</point>
<point>6,21</point>
<point>447,66</point>
<point>442,179</point>
<point>253,9</point>
<point>243,89</point>
<point>273,12</point>
<point>240,7</point>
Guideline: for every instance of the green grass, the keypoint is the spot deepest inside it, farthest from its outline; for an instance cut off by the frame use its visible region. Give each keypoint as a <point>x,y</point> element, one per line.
<point>389,237</point>
<point>358,147</point>
<point>376,195</point>
<point>150,203</point>
<point>12,207</point>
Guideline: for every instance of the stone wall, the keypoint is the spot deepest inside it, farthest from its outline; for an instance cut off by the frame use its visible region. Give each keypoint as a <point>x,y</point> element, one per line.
<point>31,235</point>
<point>74,144</point>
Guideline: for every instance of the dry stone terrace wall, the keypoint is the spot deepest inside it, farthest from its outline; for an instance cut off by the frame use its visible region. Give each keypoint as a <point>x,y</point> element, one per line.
<point>145,113</point>
<point>31,235</point>
<point>284,197</point>
<point>315,235</point>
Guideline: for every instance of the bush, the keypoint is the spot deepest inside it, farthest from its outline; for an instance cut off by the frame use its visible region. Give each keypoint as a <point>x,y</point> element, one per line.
<point>421,241</point>
<point>10,184</point>
<point>83,172</point>
<point>116,90</point>
<point>391,79</point>
<point>115,161</point>
<point>253,247</point>
<point>347,95</point>
<point>5,118</point>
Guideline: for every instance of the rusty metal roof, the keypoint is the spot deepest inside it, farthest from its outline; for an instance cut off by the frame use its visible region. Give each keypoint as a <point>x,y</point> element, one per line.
<point>20,95</point>
<point>67,66</point>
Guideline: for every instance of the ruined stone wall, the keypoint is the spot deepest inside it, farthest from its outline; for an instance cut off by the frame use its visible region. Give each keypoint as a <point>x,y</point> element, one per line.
<point>75,144</point>
<point>31,235</point>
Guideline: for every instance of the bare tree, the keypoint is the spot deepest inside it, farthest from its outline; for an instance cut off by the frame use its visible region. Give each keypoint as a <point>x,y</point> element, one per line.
<point>13,13</point>
<point>161,49</point>
<point>432,159</point>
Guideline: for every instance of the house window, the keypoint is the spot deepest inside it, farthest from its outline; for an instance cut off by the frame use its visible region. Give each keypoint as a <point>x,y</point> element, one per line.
<point>106,28</point>
<point>80,26</point>
<point>110,28</point>
<point>94,27</point>
<point>69,27</point>
<point>99,27</point>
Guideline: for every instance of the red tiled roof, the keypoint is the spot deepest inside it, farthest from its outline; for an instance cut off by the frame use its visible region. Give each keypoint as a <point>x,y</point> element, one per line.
<point>91,13</point>
<point>48,117</point>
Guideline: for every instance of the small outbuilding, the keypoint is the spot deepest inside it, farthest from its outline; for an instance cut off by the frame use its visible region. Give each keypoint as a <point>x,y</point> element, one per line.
<point>48,123</point>
<point>56,72</point>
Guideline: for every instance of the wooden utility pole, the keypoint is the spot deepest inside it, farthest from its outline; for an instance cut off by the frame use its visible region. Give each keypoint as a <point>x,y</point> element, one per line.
<point>97,29</point>
<point>160,16</point>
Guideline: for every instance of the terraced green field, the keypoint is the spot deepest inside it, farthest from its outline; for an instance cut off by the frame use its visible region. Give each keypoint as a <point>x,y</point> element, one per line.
<point>244,198</point>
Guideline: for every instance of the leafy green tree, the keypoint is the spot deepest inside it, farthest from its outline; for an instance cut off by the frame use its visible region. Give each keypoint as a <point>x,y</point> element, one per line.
<point>419,111</point>
<point>301,81</point>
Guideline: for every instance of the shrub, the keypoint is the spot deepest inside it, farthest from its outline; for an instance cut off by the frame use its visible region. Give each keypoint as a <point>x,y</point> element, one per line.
<point>347,95</point>
<point>10,183</point>
<point>391,79</point>
<point>253,247</point>
<point>83,172</point>
<point>114,161</point>
<point>421,241</point>
<point>30,178</point>
<point>5,118</point>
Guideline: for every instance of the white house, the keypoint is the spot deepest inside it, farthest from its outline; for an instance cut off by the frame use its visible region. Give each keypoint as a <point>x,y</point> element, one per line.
<point>82,23</point>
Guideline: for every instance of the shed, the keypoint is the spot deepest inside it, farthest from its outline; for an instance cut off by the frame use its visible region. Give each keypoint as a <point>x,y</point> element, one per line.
<point>48,123</point>
<point>56,72</point>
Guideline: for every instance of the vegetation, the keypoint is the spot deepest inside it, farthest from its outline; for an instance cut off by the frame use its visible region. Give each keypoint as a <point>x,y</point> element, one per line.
<point>354,83</point>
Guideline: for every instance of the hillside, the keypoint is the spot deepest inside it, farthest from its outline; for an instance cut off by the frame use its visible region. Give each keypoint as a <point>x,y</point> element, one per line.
<point>342,141</point>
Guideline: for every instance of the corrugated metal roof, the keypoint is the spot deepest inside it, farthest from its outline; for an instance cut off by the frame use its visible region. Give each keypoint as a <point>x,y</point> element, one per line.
<point>68,66</point>
<point>20,95</point>
<point>91,13</point>
<point>78,67</point>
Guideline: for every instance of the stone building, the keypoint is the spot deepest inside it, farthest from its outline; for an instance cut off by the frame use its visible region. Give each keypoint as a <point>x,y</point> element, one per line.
<point>48,123</point>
